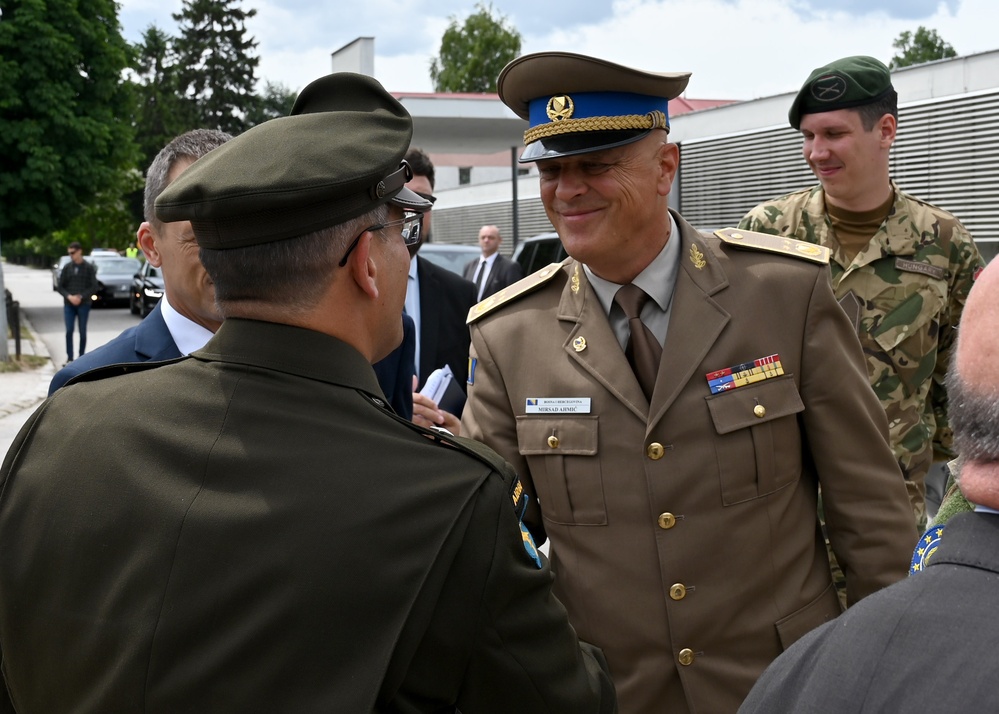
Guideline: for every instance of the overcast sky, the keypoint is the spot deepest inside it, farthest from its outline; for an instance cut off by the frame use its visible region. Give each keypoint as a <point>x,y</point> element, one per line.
<point>736,49</point>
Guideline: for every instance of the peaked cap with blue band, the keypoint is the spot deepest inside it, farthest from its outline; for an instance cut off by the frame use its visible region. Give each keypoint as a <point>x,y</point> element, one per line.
<point>338,156</point>
<point>577,104</point>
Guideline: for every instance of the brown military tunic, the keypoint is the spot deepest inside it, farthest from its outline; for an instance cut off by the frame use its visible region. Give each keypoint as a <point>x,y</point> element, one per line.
<point>684,535</point>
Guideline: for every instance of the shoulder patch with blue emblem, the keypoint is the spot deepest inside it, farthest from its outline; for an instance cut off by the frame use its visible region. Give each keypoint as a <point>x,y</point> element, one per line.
<point>925,549</point>
<point>520,500</point>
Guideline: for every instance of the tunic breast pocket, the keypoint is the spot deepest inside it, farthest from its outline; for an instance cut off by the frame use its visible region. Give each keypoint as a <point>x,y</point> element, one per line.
<point>562,454</point>
<point>758,442</point>
<point>909,331</point>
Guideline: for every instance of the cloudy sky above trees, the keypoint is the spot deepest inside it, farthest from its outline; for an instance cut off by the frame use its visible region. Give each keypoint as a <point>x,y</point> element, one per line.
<point>736,49</point>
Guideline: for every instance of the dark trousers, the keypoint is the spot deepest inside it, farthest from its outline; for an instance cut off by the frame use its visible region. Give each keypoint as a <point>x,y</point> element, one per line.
<point>72,313</point>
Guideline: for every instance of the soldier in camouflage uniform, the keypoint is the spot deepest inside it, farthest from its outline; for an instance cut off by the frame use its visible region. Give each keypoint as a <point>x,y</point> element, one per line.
<point>901,268</point>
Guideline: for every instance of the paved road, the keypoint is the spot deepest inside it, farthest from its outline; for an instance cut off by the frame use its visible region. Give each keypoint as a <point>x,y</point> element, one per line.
<point>21,391</point>
<point>43,306</point>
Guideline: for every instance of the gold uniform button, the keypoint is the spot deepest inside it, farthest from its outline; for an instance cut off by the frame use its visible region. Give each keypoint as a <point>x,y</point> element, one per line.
<point>553,441</point>
<point>760,411</point>
<point>686,656</point>
<point>666,521</point>
<point>655,451</point>
<point>677,591</point>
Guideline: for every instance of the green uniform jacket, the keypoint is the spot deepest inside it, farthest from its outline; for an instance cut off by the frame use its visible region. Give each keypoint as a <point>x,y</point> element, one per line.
<point>684,533</point>
<point>910,283</point>
<point>251,530</point>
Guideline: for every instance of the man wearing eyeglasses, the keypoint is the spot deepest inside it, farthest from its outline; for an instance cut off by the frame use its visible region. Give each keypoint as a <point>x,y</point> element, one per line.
<point>264,533</point>
<point>77,283</point>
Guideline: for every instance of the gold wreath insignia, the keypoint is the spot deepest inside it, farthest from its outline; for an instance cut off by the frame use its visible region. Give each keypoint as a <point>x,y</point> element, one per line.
<point>697,257</point>
<point>560,107</point>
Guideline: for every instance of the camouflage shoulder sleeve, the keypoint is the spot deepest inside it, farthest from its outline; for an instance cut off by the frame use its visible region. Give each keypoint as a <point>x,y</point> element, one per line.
<point>779,216</point>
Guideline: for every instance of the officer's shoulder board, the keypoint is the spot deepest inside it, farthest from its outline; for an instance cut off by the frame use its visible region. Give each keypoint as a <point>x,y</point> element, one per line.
<point>116,370</point>
<point>479,451</point>
<point>522,287</point>
<point>751,240</point>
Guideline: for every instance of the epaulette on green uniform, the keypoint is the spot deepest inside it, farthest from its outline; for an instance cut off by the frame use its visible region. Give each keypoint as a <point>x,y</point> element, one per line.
<point>749,240</point>
<point>521,287</point>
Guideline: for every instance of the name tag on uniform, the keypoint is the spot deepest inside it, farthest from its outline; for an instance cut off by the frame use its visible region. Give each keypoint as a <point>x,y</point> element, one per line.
<point>558,405</point>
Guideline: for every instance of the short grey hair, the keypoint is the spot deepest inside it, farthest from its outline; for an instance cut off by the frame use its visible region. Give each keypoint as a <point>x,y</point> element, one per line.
<point>974,417</point>
<point>291,274</point>
<point>190,145</point>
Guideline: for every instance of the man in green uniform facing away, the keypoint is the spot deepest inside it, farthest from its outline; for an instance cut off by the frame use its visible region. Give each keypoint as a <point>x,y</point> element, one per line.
<point>263,533</point>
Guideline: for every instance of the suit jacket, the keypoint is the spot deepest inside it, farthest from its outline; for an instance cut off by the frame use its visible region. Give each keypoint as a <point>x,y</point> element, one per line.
<point>262,534</point>
<point>504,272</point>
<point>395,372</point>
<point>926,644</point>
<point>683,533</point>
<point>445,299</point>
<point>147,341</point>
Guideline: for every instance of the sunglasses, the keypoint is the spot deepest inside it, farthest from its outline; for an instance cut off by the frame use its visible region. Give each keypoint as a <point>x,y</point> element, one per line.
<point>412,227</point>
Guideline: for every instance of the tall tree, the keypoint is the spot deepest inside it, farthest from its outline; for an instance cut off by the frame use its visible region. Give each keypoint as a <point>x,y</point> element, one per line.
<point>217,66</point>
<point>923,46</point>
<point>473,53</point>
<point>65,134</point>
<point>275,101</point>
<point>163,111</point>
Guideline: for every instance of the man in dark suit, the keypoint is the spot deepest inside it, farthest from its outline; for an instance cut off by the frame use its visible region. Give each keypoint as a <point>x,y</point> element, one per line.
<point>927,643</point>
<point>439,301</point>
<point>491,272</point>
<point>676,447</point>
<point>185,318</point>
<point>260,532</point>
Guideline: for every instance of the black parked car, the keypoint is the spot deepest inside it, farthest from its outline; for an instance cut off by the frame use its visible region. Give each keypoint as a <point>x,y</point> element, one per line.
<point>538,251</point>
<point>147,289</point>
<point>114,278</point>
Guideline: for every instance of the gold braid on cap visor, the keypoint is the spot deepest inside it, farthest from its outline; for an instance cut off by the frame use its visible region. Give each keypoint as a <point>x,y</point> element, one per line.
<point>652,120</point>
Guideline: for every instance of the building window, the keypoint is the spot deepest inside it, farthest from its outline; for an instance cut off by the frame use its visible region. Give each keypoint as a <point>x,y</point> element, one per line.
<point>464,175</point>
<point>523,171</point>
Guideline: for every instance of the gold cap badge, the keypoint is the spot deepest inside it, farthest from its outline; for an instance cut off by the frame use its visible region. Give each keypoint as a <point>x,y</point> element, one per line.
<point>560,107</point>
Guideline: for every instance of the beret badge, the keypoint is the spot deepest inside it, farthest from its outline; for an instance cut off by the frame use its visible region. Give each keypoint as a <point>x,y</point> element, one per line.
<point>829,88</point>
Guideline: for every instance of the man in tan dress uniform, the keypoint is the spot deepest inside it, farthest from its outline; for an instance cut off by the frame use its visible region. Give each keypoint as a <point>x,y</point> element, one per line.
<point>681,504</point>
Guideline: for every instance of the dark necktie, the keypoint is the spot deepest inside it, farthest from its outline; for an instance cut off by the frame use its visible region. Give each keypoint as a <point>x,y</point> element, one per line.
<point>643,350</point>
<point>478,279</point>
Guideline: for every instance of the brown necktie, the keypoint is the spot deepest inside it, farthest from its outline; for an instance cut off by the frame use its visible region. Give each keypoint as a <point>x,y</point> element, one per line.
<point>643,350</point>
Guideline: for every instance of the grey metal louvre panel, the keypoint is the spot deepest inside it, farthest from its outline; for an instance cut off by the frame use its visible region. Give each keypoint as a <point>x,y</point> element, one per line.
<point>462,223</point>
<point>947,153</point>
<point>722,178</point>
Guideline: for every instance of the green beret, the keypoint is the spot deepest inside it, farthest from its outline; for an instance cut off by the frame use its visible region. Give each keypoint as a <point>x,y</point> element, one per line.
<point>577,104</point>
<point>843,84</point>
<point>337,157</point>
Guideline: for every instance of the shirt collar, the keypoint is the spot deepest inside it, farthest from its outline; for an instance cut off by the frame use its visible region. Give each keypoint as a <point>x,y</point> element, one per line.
<point>187,335</point>
<point>657,280</point>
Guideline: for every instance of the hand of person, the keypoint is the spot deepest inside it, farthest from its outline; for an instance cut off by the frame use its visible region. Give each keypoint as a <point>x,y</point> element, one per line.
<point>426,413</point>
<point>75,299</point>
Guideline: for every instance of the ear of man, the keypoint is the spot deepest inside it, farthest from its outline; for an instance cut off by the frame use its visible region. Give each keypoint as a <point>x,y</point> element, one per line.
<point>361,266</point>
<point>146,239</point>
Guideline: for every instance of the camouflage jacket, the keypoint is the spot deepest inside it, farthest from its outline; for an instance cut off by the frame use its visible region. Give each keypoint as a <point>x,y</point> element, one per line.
<point>905,293</point>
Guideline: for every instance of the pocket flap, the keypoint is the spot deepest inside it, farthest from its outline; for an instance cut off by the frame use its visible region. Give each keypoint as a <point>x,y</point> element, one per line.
<point>740,408</point>
<point>557,436</point>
